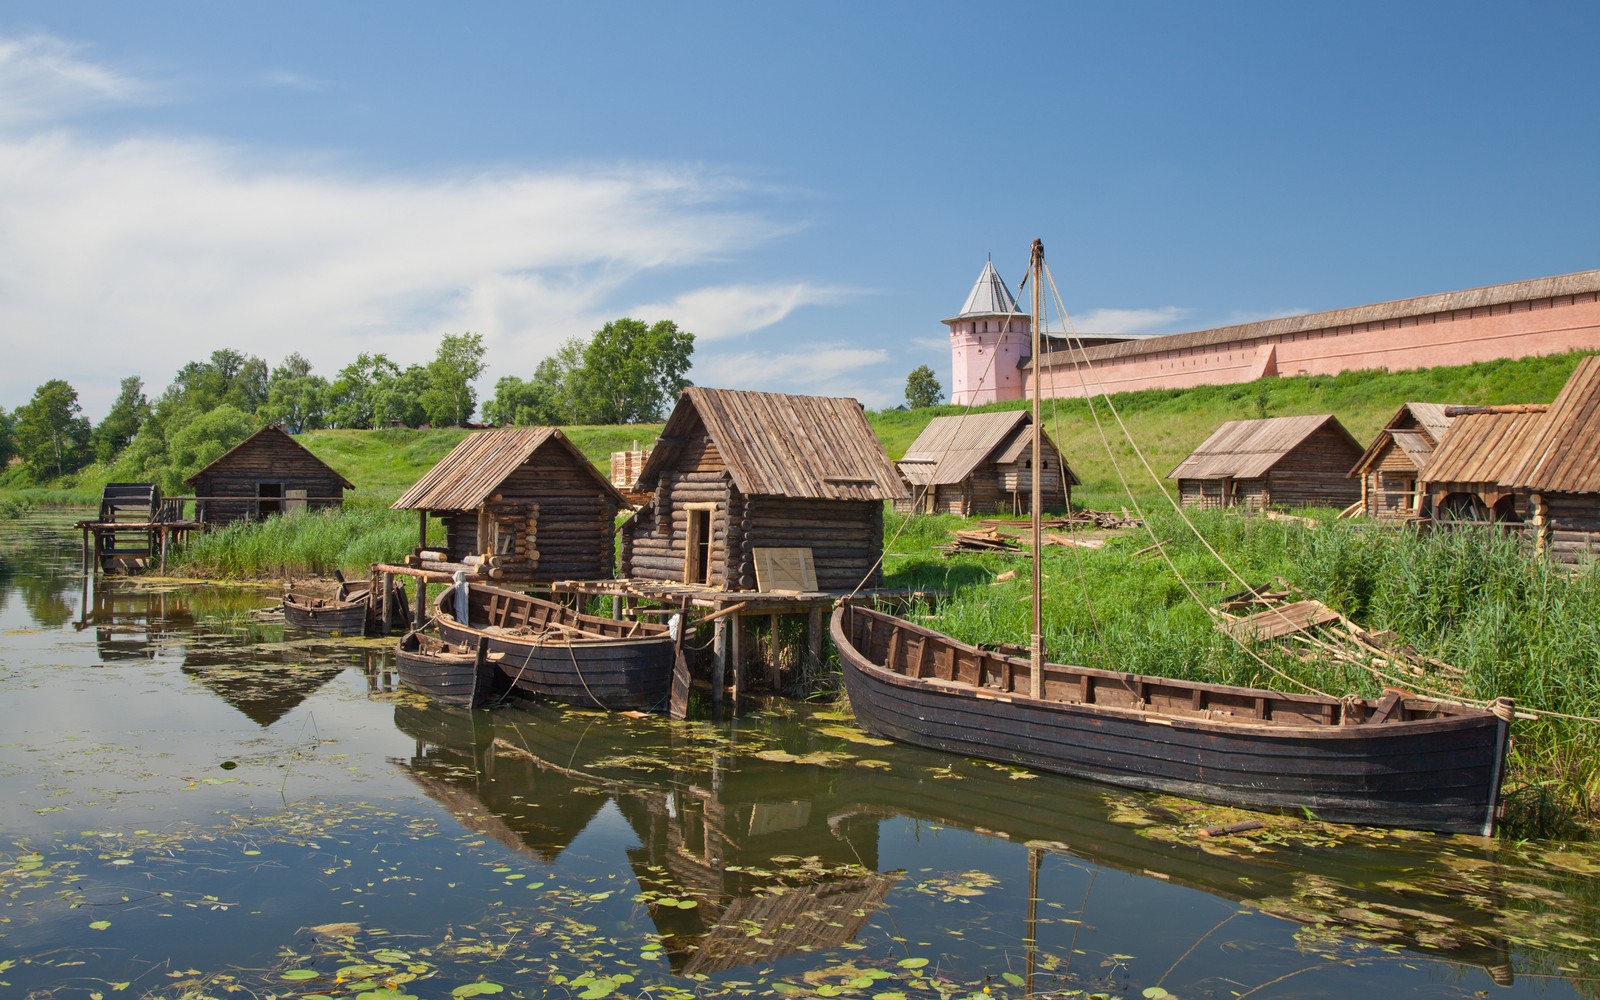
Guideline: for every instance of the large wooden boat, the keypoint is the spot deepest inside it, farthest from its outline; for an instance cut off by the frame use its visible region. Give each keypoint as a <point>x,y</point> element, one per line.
<point>1396,761</point>
<point>327,616</point>
<point>551,651</point>
<point>451,675</point>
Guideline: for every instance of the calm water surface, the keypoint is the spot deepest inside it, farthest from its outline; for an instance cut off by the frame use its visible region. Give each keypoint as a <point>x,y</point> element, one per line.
<point>195,806</point>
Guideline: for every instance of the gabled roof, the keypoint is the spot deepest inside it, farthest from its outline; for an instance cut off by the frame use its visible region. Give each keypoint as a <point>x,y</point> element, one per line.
<point>475,468</point>
<point>989,297</point>
<point>775,444</point>
<point>950,448</point>
<point>1483,446</point>
<point>254,441</point>
<point>1247,449</point>
<point>1430,419</point>
<point>1563,455</point>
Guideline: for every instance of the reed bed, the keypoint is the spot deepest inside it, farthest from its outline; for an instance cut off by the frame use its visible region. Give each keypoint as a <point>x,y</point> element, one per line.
<point>1514,625</point>
<point>300,544</point>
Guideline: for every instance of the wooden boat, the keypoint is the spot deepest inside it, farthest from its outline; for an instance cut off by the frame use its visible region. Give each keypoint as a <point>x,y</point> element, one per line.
<point>452,675</point>
<point>1399,761</point>
<point>326,616</point>
<point>551,651</point>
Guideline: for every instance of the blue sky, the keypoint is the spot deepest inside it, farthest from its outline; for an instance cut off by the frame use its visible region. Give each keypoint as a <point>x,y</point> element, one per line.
<point>808,188</point>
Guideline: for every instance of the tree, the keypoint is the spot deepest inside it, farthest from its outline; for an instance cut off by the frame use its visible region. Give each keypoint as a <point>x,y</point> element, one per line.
<point>399,401</point>
<point>127,415</point>
<point>298,403</point>
<point>632,371</point>
<point>52,433</point>
<point>923,388</point>
<point>526,404</point>
<point>203,440</point>
<point>450,398</point>
<point>8,437</point>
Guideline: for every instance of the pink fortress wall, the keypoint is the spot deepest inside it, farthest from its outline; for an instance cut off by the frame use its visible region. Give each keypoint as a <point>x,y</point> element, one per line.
<point>1549,325</point>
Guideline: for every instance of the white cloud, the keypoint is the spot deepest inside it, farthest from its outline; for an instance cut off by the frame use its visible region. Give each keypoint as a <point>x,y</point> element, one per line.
<point>42,79</point>
<point>730,310</point>
<point>1160,319</point>
<point>134,256</point>
<point>290,80</point>
<point>825,369</point>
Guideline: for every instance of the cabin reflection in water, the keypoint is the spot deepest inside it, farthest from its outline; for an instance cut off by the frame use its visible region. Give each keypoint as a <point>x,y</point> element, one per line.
<point>769,878</point>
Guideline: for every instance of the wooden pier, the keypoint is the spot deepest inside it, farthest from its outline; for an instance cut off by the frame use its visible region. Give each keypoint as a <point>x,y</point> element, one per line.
<point>134,529</point>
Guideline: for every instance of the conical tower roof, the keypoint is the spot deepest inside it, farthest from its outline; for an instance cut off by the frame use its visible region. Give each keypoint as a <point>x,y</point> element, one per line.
<point>989,297</point>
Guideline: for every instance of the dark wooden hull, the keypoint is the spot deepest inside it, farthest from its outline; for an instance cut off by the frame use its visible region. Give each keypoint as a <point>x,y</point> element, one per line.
<point>326,617</point>
<point>575,659</point>
<point>1432,766</point>
<point>449,675</point>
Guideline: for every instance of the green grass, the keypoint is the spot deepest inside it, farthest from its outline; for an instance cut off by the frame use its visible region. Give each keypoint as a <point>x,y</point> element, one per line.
<point>303,544</point>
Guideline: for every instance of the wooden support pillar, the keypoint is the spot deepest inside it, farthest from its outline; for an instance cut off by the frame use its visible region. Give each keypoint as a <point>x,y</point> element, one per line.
<point>719,661</point>
<point>86,550</point>
<point>386,595</point>
<point>814,642</point>
<point>163,551</point>
<point>736,654</point>
<point>776,674</point>
<point>421,614</point>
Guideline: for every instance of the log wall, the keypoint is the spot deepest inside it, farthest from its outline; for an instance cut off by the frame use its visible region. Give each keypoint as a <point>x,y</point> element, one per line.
<point>228,488</point>
<point>1315,473</point>
<point>1569,526</point>
<point>1387,496</point>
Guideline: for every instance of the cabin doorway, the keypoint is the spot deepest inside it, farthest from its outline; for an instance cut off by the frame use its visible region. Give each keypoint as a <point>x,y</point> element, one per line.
<point>697,543</point>
<point>269,500</point>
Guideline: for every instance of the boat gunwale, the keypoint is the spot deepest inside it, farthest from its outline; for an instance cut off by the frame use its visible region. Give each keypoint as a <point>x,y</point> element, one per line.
<point>1463,716</point>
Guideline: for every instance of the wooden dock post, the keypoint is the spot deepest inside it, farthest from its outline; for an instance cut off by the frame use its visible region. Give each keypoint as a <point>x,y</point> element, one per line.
<point>736,653</point>
<point>719,661</point>
<point>777,664</point>
<point>86,550</point>
<point>421,614</point>
<point>387,596</point>
<point>814,642</point>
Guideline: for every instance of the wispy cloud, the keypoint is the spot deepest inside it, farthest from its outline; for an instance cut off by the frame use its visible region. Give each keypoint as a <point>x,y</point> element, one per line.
<point>1162,319</point>
<point>730,310</point>
<point>825,369</point>
<point>42,78</point>
<point>138,254</point>
<point>290,80</point>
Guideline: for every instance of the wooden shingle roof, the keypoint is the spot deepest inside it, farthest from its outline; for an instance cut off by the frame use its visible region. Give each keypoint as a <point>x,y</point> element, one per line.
<point>1415,428</point>
<point>256,440</point>
<point>775,444</point>
<point>1483,445</point>
<point>1247,449</point>
<point>475,468</point>
<point>1563,455</point>
<point>949,448</point>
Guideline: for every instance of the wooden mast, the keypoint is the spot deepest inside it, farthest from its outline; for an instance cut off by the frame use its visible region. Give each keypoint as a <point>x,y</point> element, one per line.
<point>1036,643</point>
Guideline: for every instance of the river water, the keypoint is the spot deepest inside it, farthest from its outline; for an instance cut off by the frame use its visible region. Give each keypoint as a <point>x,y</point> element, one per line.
<point>194,805</point>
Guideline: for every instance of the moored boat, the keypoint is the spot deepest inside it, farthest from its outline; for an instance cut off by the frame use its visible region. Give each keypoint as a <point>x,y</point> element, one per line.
<point>452,675</point>
<point>1396,761</point>
<point>326,616</point>
<point>551,651</point>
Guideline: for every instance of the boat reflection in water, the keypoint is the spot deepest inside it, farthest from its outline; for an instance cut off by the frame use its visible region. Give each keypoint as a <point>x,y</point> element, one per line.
<point>773,836</point>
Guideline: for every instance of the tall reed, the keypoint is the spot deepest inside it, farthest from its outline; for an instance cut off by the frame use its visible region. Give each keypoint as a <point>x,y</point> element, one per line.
<point>300,544</point>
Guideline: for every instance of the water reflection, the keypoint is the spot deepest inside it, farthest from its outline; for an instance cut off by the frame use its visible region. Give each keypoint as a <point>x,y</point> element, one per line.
<point>780,855</point>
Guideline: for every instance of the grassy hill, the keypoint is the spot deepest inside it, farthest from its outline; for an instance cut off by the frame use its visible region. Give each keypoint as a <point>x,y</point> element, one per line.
<point>1166,423</point>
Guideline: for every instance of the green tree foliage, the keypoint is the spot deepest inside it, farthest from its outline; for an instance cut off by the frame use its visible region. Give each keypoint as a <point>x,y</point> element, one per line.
<point>525,404</point>
<point>399,401</point>
<point>352,397</point>
<point>8,437</point>
<point>203,440</point>
<point>631,371</point>
<point>127,415</point>
<point>923,388</point>
<point>450,398</point>
<point>51,432</point>
<point>296,398</point>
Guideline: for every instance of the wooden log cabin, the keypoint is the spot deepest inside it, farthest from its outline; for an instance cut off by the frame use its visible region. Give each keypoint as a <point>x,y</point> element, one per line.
<point>737,475</point>
<point>267,473</point>
<point>1560,470</point>
<point>981,463</point>
<point>1469,477</point>
<point>520,504</point>
<point>1275,462</point>
<point>1390,470</point>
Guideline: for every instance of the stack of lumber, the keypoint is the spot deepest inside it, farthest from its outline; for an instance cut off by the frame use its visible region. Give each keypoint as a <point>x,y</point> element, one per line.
<point>979,540</point>
<point>1076,520</point>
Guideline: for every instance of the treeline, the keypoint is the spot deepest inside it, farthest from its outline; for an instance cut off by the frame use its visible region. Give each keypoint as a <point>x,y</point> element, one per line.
<point>625,372</point>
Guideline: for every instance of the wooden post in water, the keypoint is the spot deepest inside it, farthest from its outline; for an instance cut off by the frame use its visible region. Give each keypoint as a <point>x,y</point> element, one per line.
<point>421,614</point>
<point>387,596</point>
<point>736,654</point>
<point>719,661</point>
<point>814,642</point>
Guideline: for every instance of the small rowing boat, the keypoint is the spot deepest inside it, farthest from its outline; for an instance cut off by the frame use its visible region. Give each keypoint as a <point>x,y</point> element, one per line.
<point>326,616</point>
<point>450,674</point>
<point>551,651</point>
